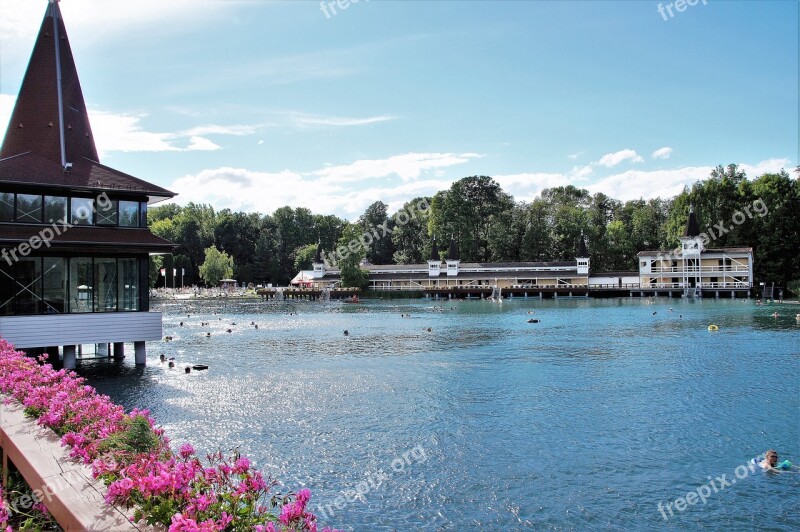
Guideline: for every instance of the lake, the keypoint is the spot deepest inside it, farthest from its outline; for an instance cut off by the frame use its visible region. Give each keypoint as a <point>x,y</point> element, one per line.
<point>588,419</point>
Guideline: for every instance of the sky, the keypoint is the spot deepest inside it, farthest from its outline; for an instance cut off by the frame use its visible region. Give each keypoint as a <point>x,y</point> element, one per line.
<point>255,104</point>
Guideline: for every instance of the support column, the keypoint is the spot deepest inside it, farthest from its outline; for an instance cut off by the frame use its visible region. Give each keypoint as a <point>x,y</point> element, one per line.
<point>119,350</point>
<point>69,357</point>
<point>102,350</point>
<point>140,353</point>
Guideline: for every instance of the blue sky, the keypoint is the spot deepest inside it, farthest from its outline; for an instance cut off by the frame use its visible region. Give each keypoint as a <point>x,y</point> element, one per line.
<point>256,104</point>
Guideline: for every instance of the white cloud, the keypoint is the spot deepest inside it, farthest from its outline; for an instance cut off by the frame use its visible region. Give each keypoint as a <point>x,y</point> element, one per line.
<point>408,166</point>
<point>311,120</point>
<point>662,153</point>
<point>610,160</point>
<point>202,144</point>
<point>123,132</point>
<point>215,129</point>
<point>323,191</point>
<point>575,155</point>
<point>327,190</point>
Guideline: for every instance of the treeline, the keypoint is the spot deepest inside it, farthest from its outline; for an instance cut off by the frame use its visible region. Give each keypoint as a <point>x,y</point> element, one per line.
<point>490,226</point>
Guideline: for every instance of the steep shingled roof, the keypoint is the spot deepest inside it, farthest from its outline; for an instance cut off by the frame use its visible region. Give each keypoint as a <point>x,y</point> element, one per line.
<point>582,251</point>
<point>49,126</point>
<point>692,229</point>
<point>452,253</point>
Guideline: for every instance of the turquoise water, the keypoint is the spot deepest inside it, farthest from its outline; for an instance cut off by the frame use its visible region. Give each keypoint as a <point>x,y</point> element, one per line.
<point>588,419</point>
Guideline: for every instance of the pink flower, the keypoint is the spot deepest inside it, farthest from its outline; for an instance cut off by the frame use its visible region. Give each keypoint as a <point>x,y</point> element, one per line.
<point>186,450</point>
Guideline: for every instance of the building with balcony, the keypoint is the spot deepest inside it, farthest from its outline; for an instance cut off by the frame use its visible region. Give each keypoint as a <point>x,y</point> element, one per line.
<point>695,269</point>
<point>74,242</point>
<point>452,274</point>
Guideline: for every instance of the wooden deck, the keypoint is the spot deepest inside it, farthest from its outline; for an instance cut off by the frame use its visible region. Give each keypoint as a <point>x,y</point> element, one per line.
<point>71,495</point>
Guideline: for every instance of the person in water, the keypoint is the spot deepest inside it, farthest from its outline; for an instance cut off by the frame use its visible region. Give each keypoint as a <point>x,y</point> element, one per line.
<point>770,460</point>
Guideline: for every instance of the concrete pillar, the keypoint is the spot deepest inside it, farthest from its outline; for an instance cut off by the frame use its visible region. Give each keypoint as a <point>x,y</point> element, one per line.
<point>733,294</point>
<point>102,350</point>
<point>140,353</point>
<point>119,350</point>
<point>69,357</point>
<point>716,294</point>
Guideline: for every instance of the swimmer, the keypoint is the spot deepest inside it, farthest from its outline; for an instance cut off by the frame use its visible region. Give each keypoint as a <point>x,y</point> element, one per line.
<point>775,314</point>
<point>770,460</point>
<point>208,335</point>
<point>256,326</point>
<point>229,331</point>
<point>188,369</point>
<point>654,313</point>
<point>346,333</point>
<point>163,358</point>
<point>428,329</point>
<point>172,364</point>
<point>181,324</point>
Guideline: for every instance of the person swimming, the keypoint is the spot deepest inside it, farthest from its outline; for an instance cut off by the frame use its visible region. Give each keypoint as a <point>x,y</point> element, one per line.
<point>770,460</point>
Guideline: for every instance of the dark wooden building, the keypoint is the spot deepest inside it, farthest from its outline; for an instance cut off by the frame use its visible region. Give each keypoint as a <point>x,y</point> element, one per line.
<point>74,242</point>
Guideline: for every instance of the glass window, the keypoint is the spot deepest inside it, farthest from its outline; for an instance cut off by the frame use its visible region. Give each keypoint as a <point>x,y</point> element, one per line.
<point>105,279</point>
<point>107,212</point>
<point>128,284</point>
<point>129,214</point>
<point>6,289</point>
<point>80,285</point>
<point>29,208</point>
<point>81,211</point>
<point>55,209</point>
<point>6,207</point>
<point>143,214</point>
<point>54,285</point>
<point>28,285</point>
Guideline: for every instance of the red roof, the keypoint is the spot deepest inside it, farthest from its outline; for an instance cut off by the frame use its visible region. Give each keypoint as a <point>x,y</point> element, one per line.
<point>50,125</point>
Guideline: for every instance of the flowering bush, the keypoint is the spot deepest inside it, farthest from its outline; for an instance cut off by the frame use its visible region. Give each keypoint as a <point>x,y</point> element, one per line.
<point>133,457</point>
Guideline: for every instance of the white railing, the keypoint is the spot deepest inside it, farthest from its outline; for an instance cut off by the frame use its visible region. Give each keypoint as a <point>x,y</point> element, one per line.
<point>696,269</point>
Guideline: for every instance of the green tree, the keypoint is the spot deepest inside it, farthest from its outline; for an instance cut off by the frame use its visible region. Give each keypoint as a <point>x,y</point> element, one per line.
<point>304,258</point>
<point>410,235</point>
<point>217,266</point>
<point>156,262</point>
<point>351,273</point>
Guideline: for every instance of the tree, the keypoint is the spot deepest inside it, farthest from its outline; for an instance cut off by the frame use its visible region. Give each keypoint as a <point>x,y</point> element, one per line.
<point>376,223</point>
<point>156,262</point>
<point>217,266</point>
<point>351,273</point>
<point>304,259</point>
<point>410,235</point>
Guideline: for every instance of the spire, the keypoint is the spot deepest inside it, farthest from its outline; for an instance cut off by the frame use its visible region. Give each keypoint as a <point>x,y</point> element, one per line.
<point>582,251</point>
<point>50,117</point>
<point>692,229</point>
<point>452,253</point>
<point>318,254</point>
<point>434,250</point>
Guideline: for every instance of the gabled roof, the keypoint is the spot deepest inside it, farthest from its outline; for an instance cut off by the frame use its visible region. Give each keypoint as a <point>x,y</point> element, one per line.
<point>49,128</point>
